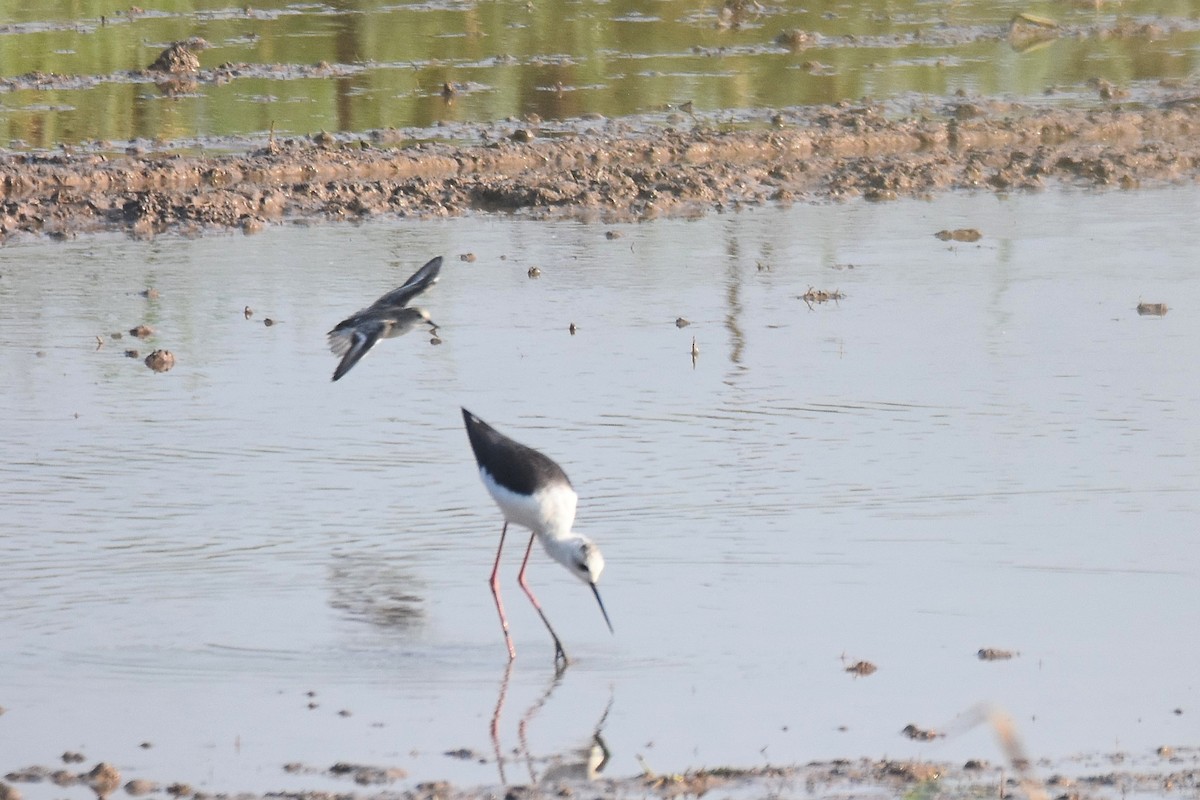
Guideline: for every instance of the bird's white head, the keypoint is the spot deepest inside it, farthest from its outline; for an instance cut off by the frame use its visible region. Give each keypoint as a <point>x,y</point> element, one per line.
<point>582,558</point>
<point>579,555</point>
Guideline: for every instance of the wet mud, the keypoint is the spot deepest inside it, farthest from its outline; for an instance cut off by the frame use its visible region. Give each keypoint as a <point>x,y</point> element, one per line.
<point>1173,774</point>
<point>624,170</point>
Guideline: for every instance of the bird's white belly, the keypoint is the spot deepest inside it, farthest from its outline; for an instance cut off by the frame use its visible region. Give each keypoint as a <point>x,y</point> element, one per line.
<point>549,511</point>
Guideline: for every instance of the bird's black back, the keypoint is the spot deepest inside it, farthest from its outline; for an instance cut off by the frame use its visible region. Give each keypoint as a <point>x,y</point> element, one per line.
<point>511,464</point>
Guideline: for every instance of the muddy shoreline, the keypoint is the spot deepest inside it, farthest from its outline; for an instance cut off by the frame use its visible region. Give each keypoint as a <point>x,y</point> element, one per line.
<point>604,170</point>
<point>1174,774</point>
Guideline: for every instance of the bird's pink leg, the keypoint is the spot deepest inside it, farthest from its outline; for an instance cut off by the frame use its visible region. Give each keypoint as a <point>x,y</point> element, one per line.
<point>495,583</point>
<point>559,653</point>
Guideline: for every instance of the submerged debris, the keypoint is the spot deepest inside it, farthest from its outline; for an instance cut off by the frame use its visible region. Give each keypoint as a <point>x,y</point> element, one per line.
<point>367,775</point>
<point>140,786</point>
<point>1152,309</point>
<point>160,360</point>
<point>921,734</point>
<point>994,654</point>
<point>463,753</point>
<point>861,668</point>
<point>821,296</point>
<point>1026,30</point>
<point>795,39</point>
<point>960,235</point>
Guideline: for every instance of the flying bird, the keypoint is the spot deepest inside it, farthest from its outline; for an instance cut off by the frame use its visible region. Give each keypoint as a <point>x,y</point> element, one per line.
<point>386,318</point>
<point>534,492</point>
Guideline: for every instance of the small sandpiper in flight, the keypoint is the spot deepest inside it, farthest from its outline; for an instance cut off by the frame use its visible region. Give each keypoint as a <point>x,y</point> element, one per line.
<point>386,318</point>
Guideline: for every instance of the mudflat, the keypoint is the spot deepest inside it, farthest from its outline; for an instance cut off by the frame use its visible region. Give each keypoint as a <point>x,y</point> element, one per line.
<point>607,170</point>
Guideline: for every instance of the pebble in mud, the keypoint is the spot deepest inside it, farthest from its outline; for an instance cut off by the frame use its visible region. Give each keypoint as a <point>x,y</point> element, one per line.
<point>71,757</point>
<point>141,786</point>
<point>572,328</point>
<point>247,312</point>
<point>534,272</point>
<point>467,257</point>
<point>103,779</point>
<point>65,778</point>
<point>680,322</point>
<point>141,331</point>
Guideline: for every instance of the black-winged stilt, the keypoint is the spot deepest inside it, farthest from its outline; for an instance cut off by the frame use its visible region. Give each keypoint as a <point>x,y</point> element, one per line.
<point>386,318</point>
<point>534,492</point>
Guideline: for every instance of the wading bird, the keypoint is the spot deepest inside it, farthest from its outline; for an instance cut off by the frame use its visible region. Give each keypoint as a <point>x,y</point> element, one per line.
<point>534,492</point>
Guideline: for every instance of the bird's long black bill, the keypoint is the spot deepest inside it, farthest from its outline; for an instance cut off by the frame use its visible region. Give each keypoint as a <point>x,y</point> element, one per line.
<point>596,592</point>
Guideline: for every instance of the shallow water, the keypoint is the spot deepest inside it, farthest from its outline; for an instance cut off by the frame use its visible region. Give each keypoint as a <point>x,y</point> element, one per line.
<point>556,59</point>
<point>980,445</point>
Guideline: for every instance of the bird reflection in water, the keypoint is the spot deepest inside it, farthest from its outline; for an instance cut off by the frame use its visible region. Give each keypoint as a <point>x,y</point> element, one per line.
<point>582,764</point>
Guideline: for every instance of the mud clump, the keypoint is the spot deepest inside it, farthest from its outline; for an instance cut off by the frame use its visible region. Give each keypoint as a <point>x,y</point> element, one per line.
<point>180,57</point>
<point>995,654</point>
<point>959,235</point>
<point>610,171</point>
<point>160,360</point>
<point>1152,309</point>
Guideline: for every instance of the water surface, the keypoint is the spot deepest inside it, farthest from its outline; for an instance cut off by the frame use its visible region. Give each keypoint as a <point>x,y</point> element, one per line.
<point>65,67</point>
<point>980,445</point>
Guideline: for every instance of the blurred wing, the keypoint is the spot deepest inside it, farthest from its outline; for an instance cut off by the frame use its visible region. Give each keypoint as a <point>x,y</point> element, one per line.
<point>353,343</point>
<point>421,280</point>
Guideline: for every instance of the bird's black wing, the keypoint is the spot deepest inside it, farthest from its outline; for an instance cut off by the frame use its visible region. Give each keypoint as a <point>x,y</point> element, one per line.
<point>353,343</point>
<point>511,464</point>
<point>420,280</point>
